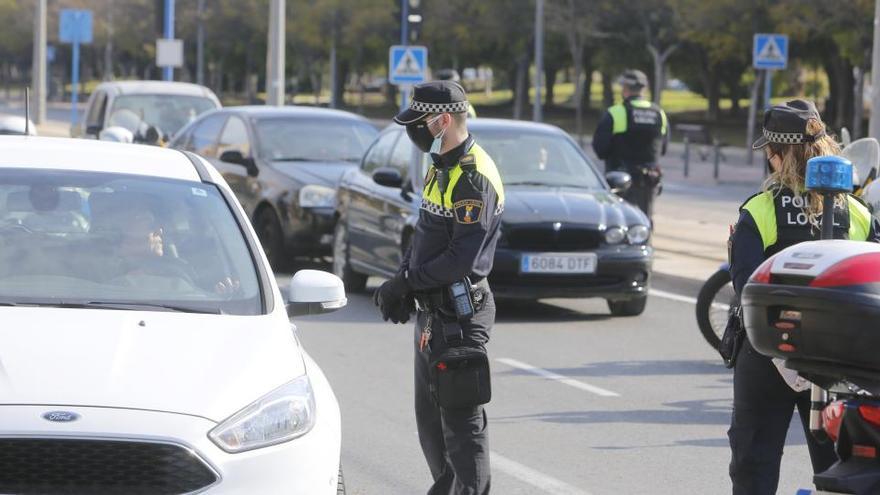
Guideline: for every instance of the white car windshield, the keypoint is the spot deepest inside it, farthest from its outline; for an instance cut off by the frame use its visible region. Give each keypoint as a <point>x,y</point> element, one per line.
<point>119,241</point>
<point>167,113</point>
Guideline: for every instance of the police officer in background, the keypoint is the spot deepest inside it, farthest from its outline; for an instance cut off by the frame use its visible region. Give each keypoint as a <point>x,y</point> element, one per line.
<point>631,137</point>
<point>765,393</point>
<point>453,247</point>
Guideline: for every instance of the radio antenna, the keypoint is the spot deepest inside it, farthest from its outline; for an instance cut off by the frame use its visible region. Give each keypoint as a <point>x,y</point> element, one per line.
<point>27,111</point>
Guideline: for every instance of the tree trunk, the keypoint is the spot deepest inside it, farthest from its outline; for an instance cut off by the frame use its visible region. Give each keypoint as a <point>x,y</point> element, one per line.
<point>713,94</point>
<point>521,93</point>
<point>586,97</point>
<point>579,100</point>
<point>858,102</point>
<point>549,82</point>
<point>607,89</point>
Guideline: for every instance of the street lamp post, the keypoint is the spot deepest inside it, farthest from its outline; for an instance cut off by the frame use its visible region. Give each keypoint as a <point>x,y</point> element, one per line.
<point>39,64</point>
<point>275,54</point>
<point>168,71</point>
<point>539,58</point>
<point>874,123</point>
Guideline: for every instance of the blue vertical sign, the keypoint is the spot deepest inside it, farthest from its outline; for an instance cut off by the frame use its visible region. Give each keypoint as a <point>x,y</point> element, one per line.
<point>769,52</point>
<point>168,71</point>
<point>75,27</point>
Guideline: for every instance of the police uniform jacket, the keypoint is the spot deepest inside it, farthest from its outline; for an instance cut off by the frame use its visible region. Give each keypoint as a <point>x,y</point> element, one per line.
<point>773,220</point>
<point>458,224</point>
<point>631,133</point>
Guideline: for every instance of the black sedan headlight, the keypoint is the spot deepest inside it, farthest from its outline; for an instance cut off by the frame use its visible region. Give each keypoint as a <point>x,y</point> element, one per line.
<point>638,234</point>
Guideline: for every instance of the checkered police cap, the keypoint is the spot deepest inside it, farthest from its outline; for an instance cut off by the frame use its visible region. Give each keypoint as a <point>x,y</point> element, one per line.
<point>787,124</point>
<point>434,97</point>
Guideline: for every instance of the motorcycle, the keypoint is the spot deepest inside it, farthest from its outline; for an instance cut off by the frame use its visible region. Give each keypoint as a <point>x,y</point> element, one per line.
<point>716,300</point>
<point>815,306</point>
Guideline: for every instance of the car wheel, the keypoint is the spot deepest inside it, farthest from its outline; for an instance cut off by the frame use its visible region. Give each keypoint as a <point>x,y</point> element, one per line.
<point>269,231</point>
<point>340,485</point>
<point>632,307</point>
<point>354,282</point>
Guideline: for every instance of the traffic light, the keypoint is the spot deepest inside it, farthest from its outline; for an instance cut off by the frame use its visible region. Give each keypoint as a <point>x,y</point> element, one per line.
<point>414,20</point>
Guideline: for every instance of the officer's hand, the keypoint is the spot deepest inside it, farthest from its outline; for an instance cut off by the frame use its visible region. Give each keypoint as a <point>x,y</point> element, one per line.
<point>394,300</point>
<point>402,311</point>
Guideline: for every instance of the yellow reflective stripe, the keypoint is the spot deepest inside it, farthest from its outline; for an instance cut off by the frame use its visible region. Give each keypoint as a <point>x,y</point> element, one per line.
<point>763,212</point>
<point>484,165</point>
<point>665,122</point>
<point>471,112</point>
<point>618,116</point>
<point>859,220</point>
<point>640,103</point>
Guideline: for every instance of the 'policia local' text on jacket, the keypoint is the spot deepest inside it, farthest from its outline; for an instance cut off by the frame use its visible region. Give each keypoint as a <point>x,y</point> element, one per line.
<point>459,224</point>
<point>771,221</point>
<point>631,133</point>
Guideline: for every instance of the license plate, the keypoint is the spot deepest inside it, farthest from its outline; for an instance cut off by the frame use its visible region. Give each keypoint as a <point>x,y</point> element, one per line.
<point>558,263</point>
<point>806,491</point>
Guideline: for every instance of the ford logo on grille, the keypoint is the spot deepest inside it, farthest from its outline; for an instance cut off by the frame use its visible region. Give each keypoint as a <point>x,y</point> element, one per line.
<point>60,416</point>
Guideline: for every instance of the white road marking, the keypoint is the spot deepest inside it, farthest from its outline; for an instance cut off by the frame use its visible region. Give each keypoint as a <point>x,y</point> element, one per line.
<point>686,299</point>
<point>571,382</point>
<point>541,481</point>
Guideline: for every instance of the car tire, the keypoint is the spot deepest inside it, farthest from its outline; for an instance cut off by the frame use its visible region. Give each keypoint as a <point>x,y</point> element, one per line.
<point>631,307</point>
<point>340,484</point>
<point>271,237</point>
<point>353,281</point>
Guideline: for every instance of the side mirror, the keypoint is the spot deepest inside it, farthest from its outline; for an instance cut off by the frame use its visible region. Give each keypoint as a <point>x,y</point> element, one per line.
<point>93,130</point>
<point>388,177</point>
<point>235,156</point>
<point>619,181</point>
<point>314,292</point>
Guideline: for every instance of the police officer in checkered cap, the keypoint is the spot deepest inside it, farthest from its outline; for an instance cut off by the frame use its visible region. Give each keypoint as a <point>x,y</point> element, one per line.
<point>453,243</point>
<point>783,214</point>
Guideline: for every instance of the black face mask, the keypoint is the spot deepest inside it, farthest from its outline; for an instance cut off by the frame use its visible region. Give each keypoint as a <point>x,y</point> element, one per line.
<point>420,135</point>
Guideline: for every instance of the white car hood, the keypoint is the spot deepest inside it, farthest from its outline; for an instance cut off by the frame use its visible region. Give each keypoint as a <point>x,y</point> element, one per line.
<point>204,365</point>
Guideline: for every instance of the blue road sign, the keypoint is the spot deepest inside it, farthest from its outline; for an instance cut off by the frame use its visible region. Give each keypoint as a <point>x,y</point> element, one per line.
<point>407,64</point>
<point>770,51</point>
<point>75,26</point>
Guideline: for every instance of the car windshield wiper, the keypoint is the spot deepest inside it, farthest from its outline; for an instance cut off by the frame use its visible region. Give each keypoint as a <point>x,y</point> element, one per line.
<point>305,159</point>
<point>539,183</point>
<point>131,306</point>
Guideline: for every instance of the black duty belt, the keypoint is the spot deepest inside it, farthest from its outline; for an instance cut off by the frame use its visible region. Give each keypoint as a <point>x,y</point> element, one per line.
<point>434,300</point>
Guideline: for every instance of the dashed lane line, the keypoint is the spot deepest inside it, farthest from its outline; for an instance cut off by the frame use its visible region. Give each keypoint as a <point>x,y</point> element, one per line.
<point>686,299</point>
<point>544,483</point>
<point>571,382</point>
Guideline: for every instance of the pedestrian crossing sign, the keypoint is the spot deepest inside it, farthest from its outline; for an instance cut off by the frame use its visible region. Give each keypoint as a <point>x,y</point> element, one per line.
<point>407,64</point>
<point>770,51</point>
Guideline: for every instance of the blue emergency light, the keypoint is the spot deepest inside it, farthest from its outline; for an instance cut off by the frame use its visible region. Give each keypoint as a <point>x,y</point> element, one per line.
<point>829,174</point>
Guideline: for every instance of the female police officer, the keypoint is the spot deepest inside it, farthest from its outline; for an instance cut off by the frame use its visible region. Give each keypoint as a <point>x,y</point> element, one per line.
<point>781,215</point>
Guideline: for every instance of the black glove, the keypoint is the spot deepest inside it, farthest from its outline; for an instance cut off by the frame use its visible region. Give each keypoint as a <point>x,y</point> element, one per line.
<point>394,299</point>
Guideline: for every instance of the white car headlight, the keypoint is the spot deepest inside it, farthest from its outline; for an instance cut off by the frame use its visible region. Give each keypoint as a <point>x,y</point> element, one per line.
<point>285,413</point>
<point>638,234</point>
<point>615,235</point>
<point>314,196</point>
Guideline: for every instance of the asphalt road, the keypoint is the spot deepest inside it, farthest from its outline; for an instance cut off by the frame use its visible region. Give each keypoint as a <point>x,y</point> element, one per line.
<point>620,405</point>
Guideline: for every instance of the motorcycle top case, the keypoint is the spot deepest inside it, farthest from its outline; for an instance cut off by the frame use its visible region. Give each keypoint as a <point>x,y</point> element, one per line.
<point>819,302</point>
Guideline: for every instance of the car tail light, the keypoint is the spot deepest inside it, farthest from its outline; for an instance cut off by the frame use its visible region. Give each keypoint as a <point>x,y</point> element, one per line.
<point>858,270</point>
<point>870,413</point>
<point>865,451</point>
<point>762,274</point>
<point>832,419</point>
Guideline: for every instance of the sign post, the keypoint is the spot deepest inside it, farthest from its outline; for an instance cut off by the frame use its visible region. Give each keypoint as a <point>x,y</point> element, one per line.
<point>769,53</point>
<point>407,65</point>
<point>75,27</point>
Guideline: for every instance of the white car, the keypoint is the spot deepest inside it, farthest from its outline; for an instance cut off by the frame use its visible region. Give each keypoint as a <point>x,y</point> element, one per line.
<point>153,111</point>
<point>145,346</point>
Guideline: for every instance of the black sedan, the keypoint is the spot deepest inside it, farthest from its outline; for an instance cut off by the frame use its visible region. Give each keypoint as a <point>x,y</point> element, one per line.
<point>565,233</point>
<point>283,163</point>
